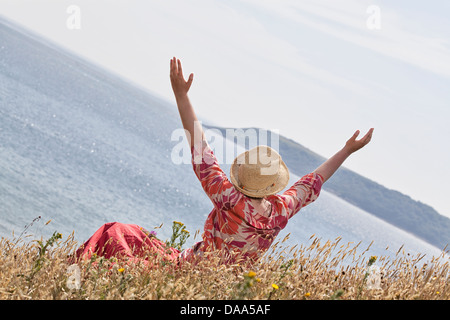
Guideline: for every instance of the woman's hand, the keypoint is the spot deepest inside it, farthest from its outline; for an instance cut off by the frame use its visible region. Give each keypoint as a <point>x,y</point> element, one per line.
<point>353,145</point>
<point>329,167</point>
<point>180,87</point>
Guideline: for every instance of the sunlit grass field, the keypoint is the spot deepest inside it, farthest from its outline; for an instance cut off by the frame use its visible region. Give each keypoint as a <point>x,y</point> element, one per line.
<point>41,269</point>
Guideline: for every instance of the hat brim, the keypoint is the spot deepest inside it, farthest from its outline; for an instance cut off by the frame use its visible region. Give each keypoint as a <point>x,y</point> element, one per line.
<point>280,184</point>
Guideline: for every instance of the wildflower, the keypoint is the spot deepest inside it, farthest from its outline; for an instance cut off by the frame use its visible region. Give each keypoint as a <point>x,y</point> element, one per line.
<point>251,274</point>
<point>258,279</point>
<point>121,270</point>
<point>275,286</point>
<point>437,292</point>
<point>178,233</point>
<point>306,295</point>
<point>372,260</point>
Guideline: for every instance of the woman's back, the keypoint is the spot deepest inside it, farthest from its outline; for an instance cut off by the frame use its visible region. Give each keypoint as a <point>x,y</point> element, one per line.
<point>239,223</point>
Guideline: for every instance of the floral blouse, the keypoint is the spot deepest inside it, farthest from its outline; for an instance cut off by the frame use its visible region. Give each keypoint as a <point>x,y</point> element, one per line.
<point>233,225</point>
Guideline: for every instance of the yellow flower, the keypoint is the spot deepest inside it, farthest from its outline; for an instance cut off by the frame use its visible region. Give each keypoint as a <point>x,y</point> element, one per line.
<point>437,292</point>
<point>372,260</point>
<point>121,270</point>
<point>251,274</point>
<point>258,279</point>
<point>274,286</point>
<point>306,295</point>
<point>177,222</point>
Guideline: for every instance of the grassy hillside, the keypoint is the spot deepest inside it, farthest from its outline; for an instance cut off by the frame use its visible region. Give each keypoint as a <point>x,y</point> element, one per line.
<point>40,270</point>
<point>389,205</point>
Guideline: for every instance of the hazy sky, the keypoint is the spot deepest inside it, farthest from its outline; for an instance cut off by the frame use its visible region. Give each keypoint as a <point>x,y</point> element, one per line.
<point>316,70</point>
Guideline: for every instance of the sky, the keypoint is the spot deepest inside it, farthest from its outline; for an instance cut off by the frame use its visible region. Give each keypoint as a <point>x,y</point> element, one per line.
<point>315,70</point>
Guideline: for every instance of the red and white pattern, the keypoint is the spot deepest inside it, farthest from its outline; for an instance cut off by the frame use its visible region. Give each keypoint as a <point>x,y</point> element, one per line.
<point>234,225</point>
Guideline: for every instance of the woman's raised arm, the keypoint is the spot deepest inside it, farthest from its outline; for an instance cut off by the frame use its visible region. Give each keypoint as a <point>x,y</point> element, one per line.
<point>329,167</point>
<point>180,89</point>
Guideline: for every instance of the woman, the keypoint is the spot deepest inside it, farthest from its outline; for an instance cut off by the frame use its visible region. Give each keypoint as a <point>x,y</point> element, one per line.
<point>248,213</point>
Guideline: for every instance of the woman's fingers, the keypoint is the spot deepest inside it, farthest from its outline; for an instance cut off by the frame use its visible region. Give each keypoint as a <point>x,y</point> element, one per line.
<point>355,145</point>
<point>179,84</point>
<point>173,67</point>
<point>189,82</point>
<point>354,136</point>
<point>367,137</point>
<point>180,70</point>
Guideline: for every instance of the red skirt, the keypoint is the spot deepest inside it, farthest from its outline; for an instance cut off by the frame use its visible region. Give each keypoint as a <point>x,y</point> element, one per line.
<point>121,240</point>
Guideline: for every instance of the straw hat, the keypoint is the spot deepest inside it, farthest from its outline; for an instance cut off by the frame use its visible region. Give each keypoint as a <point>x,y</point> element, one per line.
<point>259,172</point>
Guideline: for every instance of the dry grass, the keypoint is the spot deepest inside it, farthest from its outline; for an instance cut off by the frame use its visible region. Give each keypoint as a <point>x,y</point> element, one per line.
<point>322,270</point>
